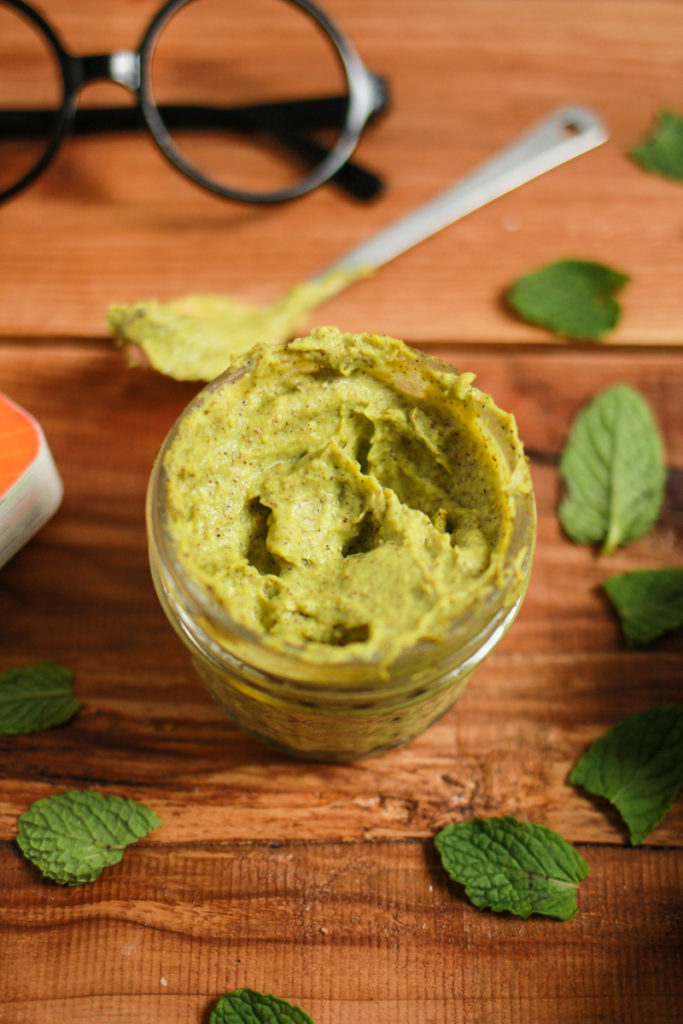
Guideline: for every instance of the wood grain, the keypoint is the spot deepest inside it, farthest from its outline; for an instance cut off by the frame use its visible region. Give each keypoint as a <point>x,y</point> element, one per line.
<point>113,222</point>
<point>81,593</point>
<point>370,932</point>
<point>317,882</point>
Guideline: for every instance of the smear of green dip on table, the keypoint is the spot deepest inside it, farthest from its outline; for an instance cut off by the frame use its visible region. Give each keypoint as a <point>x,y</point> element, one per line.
<point>341,495</point>
<point>197,336</point>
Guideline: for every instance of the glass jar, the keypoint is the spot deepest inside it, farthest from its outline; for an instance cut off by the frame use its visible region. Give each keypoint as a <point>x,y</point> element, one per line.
<point>348,709</point>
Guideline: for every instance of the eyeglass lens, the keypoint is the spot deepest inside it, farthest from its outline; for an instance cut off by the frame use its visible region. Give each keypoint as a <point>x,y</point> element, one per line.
<point>228,70</point>
<point>30,79</point>
<point>227,78</point>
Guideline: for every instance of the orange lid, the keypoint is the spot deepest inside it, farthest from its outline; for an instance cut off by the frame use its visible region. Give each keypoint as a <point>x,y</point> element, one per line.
<point>19,442</point>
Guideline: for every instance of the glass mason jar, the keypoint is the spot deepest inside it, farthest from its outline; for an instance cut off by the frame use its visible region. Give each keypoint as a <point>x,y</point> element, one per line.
<point>349,709</point>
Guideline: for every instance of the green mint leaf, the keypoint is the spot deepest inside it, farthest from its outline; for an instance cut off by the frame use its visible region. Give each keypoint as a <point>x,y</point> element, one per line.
<point>573,298</point>
<point>613,465</point>
<point>73,836</point>
<point>36,697</point>
<point>638,767</point>
<point>649,603</point>
<point>506,864</point>
<point>662,152</point>
<point>245,1006</point>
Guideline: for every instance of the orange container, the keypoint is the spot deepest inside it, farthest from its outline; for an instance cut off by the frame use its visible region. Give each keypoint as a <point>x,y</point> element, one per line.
<point>30,486</point>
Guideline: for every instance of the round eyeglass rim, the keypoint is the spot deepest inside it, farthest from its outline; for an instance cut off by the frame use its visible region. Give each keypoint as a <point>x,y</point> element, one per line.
<point>64,116</point>
<point>361,106</point>
<point>361,91</point>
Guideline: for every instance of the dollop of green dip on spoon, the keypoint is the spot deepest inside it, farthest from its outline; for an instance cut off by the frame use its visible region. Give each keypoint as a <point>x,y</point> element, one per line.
<point>197,336</point>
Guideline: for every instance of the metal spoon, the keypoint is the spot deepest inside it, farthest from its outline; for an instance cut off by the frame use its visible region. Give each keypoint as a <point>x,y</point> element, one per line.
<point>565,134</point>
<point>195,338</point>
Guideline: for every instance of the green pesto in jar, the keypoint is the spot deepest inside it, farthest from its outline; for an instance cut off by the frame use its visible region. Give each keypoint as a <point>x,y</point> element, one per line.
<point>342,496</point>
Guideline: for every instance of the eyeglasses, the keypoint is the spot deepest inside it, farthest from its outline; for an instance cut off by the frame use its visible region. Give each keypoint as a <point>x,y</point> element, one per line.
<point>259,100</point>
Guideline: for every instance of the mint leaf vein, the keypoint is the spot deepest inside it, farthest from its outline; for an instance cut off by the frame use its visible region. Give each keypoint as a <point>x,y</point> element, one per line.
<point>572,298</point>
<point>613,466</point>
<point>649,602</point>
<point>638,767</point>
<point>73,836</point>
<point>246,1006</point>
<point>36,697</point>
<point>508,865</point>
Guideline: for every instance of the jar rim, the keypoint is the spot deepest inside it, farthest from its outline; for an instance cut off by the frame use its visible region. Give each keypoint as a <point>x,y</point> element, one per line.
<point>468,631</point>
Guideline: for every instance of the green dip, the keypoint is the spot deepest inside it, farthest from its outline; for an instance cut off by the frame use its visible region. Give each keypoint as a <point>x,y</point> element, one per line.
<point>197,336</point>
<point>344,497</point>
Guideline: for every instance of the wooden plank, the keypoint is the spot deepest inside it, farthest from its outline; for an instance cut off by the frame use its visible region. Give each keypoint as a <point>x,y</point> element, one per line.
<point>321,883</point>
<point>81,593</point>
<point>355,932</point>
<point>111,221</point>
<point>507,748</point>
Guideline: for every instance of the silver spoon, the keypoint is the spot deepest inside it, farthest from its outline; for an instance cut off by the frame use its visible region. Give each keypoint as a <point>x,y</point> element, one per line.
<point>565,134</point>
<point>195,338</point>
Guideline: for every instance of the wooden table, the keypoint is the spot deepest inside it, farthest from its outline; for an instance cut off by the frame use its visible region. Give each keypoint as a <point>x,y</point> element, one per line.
<point>321,883</point>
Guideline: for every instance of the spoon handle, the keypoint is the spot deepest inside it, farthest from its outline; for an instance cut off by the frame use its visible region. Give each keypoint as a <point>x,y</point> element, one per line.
<point>566,133</point>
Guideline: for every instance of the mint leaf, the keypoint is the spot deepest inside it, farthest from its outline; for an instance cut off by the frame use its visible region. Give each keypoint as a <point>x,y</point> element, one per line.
<point>649,603</point>
<point>613,465</point>
<point>638,767</point>
<point>510,865</point>
<point>573,298</point>
<point>73,836</point>
<point>245,1006</point>
<point>36,697</point>
<point>662,152</point>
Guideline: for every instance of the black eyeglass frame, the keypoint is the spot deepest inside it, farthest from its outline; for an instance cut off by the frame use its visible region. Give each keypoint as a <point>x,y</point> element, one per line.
<point>367,97</point>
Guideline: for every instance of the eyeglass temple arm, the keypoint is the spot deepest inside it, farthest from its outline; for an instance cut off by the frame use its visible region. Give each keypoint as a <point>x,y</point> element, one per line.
<point>286,121</point>
<point>282,119</point>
